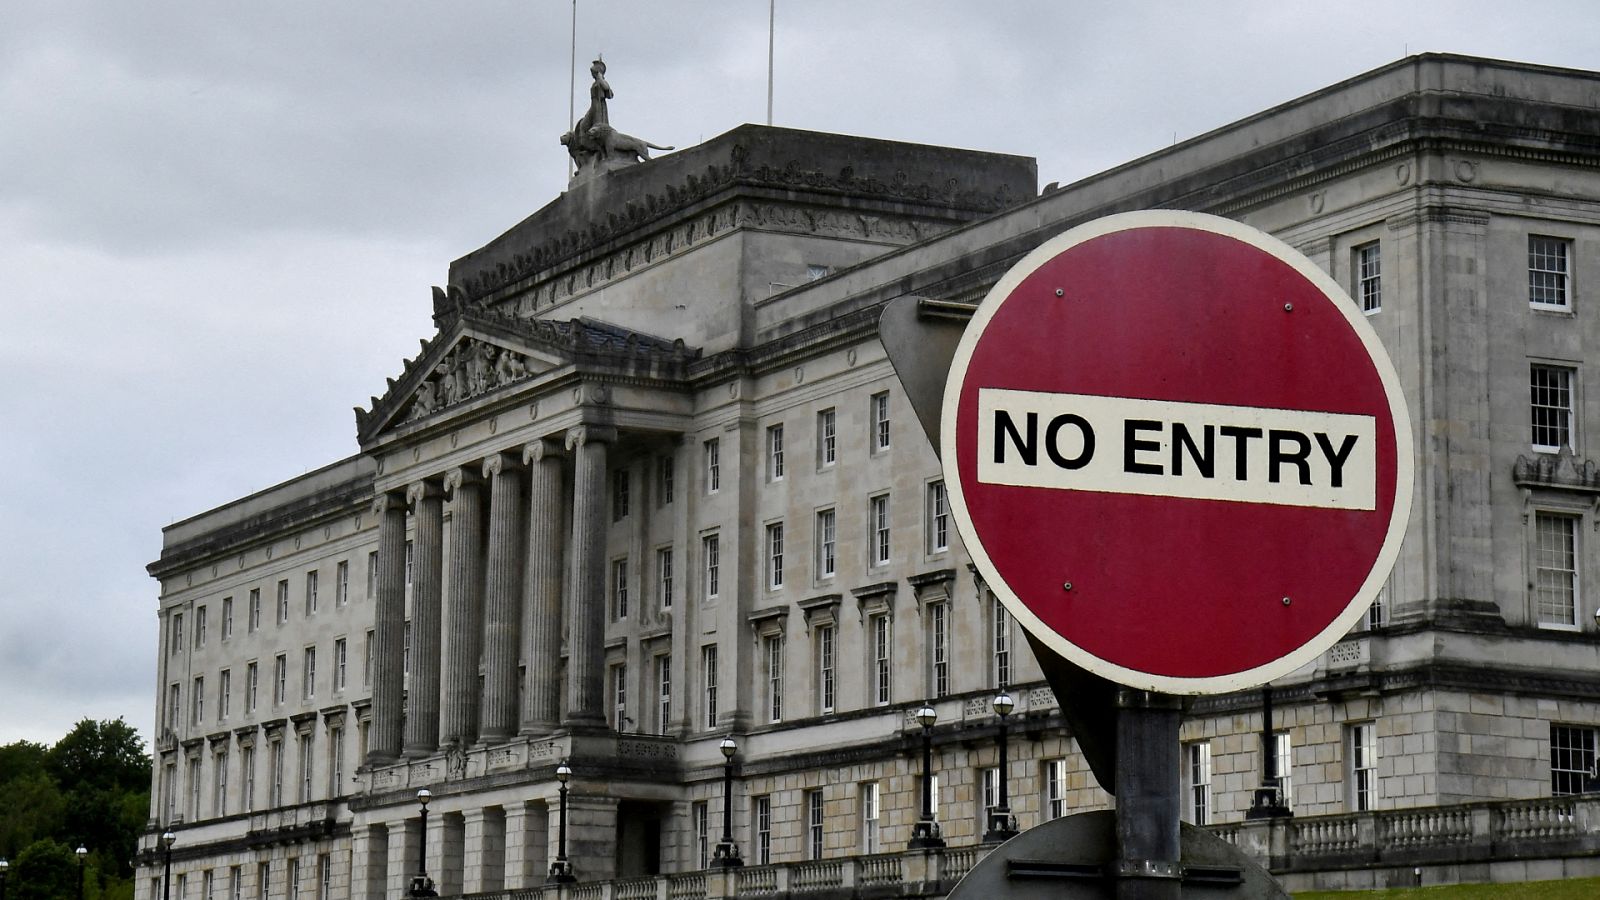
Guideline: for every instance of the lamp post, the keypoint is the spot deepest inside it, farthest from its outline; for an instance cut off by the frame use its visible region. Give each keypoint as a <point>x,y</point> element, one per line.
<point>726,855</point>
<point>561,870</point>
<point>421,884</point>
<point>1001,824</point>
<point>3,867</point>
<point>167,840</point>
<point>81,852</point>
<point>925,834</point>
<point>1268,798</point>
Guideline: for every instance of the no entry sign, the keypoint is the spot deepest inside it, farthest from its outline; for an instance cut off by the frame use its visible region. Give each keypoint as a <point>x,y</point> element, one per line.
<point>1177,452</point>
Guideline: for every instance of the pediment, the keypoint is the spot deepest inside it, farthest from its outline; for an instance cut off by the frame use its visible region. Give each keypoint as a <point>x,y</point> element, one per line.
<point>478,352</point>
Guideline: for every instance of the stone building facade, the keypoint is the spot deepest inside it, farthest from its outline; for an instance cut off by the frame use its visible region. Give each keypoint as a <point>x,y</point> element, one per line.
<point>652,483</point>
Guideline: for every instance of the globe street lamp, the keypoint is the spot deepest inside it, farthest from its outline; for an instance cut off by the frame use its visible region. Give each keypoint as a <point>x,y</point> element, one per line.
<point>81,852</point>
<point>167,840</point>
<point>561,870</point>
<point>1001,824</point>
<point>421,884</point>
<point>925,834</point>
<point>3,867</point>
<point>727,855</point>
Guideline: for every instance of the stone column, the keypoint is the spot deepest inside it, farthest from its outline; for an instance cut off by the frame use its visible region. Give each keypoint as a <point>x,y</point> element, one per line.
<point>383,744</point>
<point>460,718</point>
<point>541,611</point>
<point>422,719</point>
<point>587,611</point>
<point>502,597</point>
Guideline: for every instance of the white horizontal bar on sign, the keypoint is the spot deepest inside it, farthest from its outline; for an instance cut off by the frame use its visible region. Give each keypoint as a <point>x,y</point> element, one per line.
<point>1163,448</point>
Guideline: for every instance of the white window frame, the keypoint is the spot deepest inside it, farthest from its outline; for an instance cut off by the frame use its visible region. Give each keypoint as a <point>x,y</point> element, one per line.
<point>1556,574</point>
<point>341,583</point>
<point>283,601</point>
<point>621,494</point>
<point>224,694</point>
<point>775,452</point>
<point>1283,762</point>
<point>869,800</point>
<point>761,824</point>
<point>880,659</point>
<point>827,539</point>
<point>938,518</point>
<point>879,406</point>
<point>308,673</point>
<point>664,577</point>
<point>708,681</point>
<point>1001,664</point>
<point>663,664</point>
<point>775,556</point>
<point>711,564</point>
<point>713,465</point>
<point>827,438</point>
<point>827,643</point>
<point>340,659</point>
<point>879,548</point>
<point>773,655</point>
<point>816,824</point>
<point>1367,275</point>
<point>1573,756</point>
<point>252,678</point>
<point>1055,788</point>
<point>1552,406</point>
<point>619,589</point>
<point>1549,273</point>
<point>312,579</point>
<point>253,620</point>
<point>664,485</point>
<point>1197,769</point>
<point>227,618</point>
<point>939,649</point>
<point>1361,765</point>
<point>618,679</point>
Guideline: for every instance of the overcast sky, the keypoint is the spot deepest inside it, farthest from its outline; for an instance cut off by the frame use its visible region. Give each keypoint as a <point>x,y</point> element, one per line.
<point>219,222</point>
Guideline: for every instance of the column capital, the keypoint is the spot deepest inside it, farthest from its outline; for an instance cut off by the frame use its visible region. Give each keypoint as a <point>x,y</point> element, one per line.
<point>496,463</point>
<point>459,476</point>
<point>426,489</point>
<point>537,451</point>
<point>579,435</point>
<point>387,501</point>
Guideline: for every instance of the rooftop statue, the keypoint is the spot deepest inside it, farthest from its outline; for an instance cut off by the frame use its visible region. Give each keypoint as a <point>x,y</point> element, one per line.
<point>597,147</point>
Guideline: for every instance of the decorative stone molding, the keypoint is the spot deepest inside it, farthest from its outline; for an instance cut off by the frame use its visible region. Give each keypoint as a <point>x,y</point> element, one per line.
<point>822,610</point>
<point>932,587</point>
<point>768,622</point>
<point>875,599</point>
<point>1563,471</point>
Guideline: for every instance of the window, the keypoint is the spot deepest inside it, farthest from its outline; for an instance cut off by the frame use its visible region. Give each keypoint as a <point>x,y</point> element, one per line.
<point>774,654</point>
<point>194,788</point>
<point>308,673</point>
<point>224,694</point>
<point>1001,642</point>
<point>1572,759</point>
<point>824,637</point>
<point>663,693</point>
<point>880,422</point>
<point>283,601</point>
<point>775,453</point>
<point>619,696</point>
<point>1363,765</point>
<point>275,784</point>
<point>169,789</point>
<point>938,518</point>
<point>1555,570</point>
<point>235,883</point>
<point>311,593</point>
<point>324,877</point>
<point>1283,761</point>
<point>1369,277</point>
<point>826,523</point>
<point>219,791</point>
<point>619,495</point>
<point>762,815</point>
<point>253,615</point>
<point>341,583</point>
<point>869,817</point>
<point>199,627</point>
<point>710,551</point>
<point>1378,612</point>
<point>405,649</point>
<point>176,647</point>
<point>366,658</point>
<point>372,574</point>
<point>702,836</point>
<point>280,679</point>
<point>813,823</point>
<point>198,698</point>
<point>664,466</point>
<point>1055,788</point>
<point>339,659</point>
<point>664,577</point>
<point>207,880</point>
<point>293,879</point>
<point>708,669</point>
<point>263,881</point>
<point>306,757</point>
<point>174,706</point>
<point>247,777</point>
<point>878,524</point>
<point>827,438</point>
<point>619,588</point>
<point>1551,407</point>
<point>713,454</point>
<point>939,649</point>
<point>991,796</point>
<point>410,560</point>
<point>1197,759</point>
<point>250,678</point>
<point>775,556</point>
<point>335,760</point>
<point>879,629</point>
<point>227,618</point>
<point>1547,272</point>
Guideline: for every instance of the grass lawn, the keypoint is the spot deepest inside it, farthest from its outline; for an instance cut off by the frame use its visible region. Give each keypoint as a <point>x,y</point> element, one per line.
<point>1573,889</point>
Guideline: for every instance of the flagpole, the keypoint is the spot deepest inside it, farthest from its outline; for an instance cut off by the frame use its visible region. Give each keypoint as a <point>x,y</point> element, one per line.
<point>572,81</point>
<point>772,13</point>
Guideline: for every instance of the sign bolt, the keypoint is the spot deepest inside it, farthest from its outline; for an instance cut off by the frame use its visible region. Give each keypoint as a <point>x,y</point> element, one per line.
<point>1067,586</point>
<point>1286,601</point>
<point>1288,307</point>
<point>1060,292</point>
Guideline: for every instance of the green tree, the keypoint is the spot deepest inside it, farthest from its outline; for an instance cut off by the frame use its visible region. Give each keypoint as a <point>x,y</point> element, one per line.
<point>44,870</point>
<point>105,755</point>
<point>33,809</point>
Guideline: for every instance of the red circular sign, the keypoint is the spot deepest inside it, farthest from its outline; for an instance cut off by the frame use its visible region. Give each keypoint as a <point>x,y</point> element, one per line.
<point>1177,452</point>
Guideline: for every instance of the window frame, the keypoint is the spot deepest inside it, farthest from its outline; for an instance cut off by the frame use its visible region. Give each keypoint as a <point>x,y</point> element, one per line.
<point>1560,280</point>
<point>1544,610</point>
<point>1361,766</point>
<point>1198,771</point>
<point>880,549</point>
<point>880,417</point>
<point>1366,276</point>
<point>1547,418</point>
<point>827,438</point>
<point>775,465</point>
<point>774,555</point>
<point>826,564</point>
<point>1572,779</point>
<point>712,451</point>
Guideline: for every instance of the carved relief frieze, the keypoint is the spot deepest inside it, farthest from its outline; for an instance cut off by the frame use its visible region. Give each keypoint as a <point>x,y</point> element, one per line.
<point>471,369</point>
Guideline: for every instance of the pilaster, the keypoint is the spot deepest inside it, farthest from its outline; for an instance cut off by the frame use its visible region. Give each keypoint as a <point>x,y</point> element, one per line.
<point>422,722</point>
<point>503,597</point>
<point>541,707</point>
<point>388,629</point>
<point>465,608</point>
<point>586,621</point>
